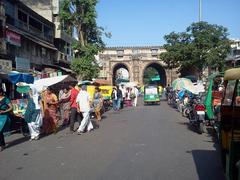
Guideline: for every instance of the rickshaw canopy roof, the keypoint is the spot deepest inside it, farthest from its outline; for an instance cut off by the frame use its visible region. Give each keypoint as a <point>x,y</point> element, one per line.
<point>232,74</point>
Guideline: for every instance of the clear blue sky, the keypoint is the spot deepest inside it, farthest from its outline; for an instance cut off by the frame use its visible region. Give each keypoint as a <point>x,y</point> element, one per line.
<point>145,22</point>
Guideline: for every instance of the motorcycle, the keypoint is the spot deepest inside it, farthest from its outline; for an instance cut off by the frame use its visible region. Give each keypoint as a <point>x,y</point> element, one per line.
<point>196,115</point>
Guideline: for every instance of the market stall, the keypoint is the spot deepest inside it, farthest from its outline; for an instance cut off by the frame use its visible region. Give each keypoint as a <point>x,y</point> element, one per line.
<point>58,82</point>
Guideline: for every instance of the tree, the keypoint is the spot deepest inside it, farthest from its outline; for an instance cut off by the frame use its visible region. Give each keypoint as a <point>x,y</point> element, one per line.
<point>202,45</point>
<point>85,68</point>
<point>81,15</point>
<point>149,73</point>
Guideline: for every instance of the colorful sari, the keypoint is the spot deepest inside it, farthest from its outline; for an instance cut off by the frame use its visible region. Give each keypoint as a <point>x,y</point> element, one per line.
<point>50,113</point>
<point>65,108</point>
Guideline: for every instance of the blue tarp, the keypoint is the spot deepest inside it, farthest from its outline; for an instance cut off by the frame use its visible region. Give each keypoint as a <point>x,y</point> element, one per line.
<point>21,77</point>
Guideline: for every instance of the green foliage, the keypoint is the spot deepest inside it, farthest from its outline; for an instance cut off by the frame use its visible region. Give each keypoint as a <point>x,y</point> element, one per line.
<point>81,14</point>
<point>200,46</point>
<point>149,73</point>
<point>85,67</point>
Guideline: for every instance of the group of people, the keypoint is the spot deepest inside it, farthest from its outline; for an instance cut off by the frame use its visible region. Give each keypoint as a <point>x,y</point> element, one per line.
<point>45,111</point>
<point>127,95</point>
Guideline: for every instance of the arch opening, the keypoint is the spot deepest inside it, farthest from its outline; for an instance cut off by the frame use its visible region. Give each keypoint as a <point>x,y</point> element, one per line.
<point>120,74</point>
<point>154,73</point>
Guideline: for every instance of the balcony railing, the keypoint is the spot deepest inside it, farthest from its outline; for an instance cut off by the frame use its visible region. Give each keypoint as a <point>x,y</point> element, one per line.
<point>30,29</point>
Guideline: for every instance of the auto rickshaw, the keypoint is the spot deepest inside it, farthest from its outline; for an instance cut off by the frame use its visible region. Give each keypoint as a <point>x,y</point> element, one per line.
<point>91,90</point>
<point>151,94</point>
<point>230,123</point>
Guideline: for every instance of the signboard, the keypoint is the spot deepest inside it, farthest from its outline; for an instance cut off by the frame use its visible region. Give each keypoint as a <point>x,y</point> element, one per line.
<point>156,78</point>
<point>13,38</point>
<point>22,64</point>
<point>5,65</point>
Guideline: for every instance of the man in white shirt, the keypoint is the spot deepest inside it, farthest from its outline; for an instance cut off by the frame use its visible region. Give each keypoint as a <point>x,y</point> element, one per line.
<point>83,101</point>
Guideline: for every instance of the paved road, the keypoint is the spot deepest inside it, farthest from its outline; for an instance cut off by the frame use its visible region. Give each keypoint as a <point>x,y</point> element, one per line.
<point>142,143</point>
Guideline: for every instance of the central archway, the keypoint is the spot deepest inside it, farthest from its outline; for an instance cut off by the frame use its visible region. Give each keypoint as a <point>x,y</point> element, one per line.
<point>154,73</point>
<point>120,74</point>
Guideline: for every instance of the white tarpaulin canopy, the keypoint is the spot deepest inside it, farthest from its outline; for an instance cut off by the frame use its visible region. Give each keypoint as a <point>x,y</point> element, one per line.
<point>46,82</point>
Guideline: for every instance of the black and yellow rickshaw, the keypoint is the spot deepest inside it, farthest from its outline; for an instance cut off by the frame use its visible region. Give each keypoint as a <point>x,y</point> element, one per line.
<point>230,123</point>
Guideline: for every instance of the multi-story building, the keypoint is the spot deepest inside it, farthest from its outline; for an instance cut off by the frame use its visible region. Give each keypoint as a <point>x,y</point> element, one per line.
<point>49,9</point>
<point>28,38</point>
<point>233,59</point>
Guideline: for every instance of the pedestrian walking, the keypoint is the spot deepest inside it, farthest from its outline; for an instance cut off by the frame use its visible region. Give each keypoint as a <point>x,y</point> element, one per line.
<point>128,97</point>
<point>34,114</point>
<point>114,98</point>
<point>65,106</point>
<point>50,107</point>
<point>135,92</point>
<point>119,98</point>
<point>83,101</point>
<point>74,114</point>
<point>123,89</point>
<point>97,103</point>
<point>5,109</point>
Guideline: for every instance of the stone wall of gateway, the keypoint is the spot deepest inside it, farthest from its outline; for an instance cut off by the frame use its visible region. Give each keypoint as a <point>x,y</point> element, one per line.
<point>135,60</point>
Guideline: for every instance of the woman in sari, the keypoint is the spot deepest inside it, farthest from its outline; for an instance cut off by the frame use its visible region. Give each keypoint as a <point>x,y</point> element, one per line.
<point>5,109</point>
<point>50,102</point>
<point>65,106</point>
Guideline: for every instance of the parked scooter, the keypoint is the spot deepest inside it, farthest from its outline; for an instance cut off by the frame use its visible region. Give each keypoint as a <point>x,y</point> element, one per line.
<point>196,114</point>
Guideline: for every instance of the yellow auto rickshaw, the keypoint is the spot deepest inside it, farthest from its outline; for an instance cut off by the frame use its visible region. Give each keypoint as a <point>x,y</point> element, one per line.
<point>106,91</point>
<point>230,124</point>
<point>91,91</point>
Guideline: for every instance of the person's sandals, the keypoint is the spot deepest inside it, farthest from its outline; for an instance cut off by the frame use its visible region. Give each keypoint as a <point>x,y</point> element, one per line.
<point>79,133</point>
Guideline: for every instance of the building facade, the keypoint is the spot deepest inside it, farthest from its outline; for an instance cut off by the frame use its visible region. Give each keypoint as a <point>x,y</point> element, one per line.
<point>28,38</point>
<point>49,9</point>
<point>233,59</point>
<point>135,60</point>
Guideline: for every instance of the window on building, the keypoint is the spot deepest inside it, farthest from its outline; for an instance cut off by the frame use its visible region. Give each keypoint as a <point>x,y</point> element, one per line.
<point>33,50</point>
<point>44,53</point>
<point>135,51</point>
<point>35,24</point>
<point>154,51</point>
<point>37,52</point>
<point>236,52</point>
<point>9,8</point>
<point>1,29</point>
<point>48,32</point>
<point>22,16</point>
<point>40,51</point>
<point>120,53</point>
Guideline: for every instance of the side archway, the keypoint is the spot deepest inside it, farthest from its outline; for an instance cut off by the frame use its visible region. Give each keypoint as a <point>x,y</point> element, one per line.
<point>120,73</point>
<point>160,71</point>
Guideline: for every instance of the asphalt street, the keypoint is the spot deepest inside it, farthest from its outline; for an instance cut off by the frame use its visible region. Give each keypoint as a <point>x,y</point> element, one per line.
<point>142,143</point>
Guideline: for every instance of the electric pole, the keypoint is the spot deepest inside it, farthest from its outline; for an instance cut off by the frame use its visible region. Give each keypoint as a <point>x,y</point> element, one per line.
<point>200,10</point>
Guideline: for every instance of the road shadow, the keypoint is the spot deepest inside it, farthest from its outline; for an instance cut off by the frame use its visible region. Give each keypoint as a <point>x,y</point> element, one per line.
<point>16,141</point>
<point>208,164</point>
<point>208,129</point>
